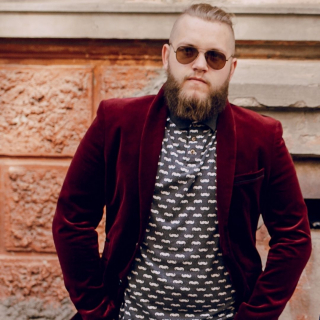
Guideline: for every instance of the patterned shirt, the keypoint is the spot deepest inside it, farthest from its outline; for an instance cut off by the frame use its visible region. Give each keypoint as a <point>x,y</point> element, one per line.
<point>179,272</point>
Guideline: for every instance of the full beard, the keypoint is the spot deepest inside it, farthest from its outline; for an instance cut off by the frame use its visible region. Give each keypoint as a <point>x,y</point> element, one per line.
<point>192,108</point>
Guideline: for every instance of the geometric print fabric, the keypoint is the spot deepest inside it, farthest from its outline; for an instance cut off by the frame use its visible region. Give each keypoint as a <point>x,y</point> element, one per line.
<point>179,272</point>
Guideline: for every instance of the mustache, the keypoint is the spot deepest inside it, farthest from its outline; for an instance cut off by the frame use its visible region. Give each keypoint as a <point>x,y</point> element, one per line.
<point>196,77</point>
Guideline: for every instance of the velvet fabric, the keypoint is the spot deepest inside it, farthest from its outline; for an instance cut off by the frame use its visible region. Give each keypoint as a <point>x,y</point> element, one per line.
<point>115,166</point>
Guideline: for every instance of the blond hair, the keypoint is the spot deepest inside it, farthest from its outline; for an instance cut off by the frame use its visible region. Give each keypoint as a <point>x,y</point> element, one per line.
<point>206,12</point>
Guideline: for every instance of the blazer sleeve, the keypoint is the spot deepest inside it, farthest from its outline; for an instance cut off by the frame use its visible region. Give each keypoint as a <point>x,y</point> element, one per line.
<point>78,213</point>
<point>286,219</point>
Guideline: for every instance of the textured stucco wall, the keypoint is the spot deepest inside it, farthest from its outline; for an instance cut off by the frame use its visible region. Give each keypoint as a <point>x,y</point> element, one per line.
<point>45,111</point>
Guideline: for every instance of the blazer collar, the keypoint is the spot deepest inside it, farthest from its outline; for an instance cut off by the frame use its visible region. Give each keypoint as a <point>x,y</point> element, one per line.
<point>185,124</point>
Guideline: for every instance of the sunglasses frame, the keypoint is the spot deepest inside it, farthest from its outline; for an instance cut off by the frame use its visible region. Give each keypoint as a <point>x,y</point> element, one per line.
<point>205,55</point>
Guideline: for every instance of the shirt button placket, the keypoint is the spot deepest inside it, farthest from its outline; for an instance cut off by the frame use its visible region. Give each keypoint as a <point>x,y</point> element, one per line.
<point>193,152</point>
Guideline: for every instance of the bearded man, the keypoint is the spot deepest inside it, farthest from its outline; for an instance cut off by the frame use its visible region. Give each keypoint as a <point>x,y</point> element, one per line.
<point>184,176</point>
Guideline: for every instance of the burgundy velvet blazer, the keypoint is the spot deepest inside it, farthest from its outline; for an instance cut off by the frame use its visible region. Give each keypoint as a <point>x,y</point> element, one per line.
<point>115,166</point>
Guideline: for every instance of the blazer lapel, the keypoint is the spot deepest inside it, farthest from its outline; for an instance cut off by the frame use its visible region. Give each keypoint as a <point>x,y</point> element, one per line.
<point>150,148</point>
<point>226,161</point>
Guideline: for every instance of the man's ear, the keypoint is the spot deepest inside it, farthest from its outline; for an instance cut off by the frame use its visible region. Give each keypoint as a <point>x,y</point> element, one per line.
<point>233,67</point>
<point>165,56</point>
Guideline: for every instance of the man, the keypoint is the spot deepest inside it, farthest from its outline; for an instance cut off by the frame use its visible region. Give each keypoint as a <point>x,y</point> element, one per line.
<point>184,176</point>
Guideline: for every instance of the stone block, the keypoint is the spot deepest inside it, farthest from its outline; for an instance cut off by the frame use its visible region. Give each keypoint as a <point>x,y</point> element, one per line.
<point>308,172</point>
<point>33,276</point>
<point>127,81</point>
<point>34,308</point>
<point>276,83</point>
<point>31,193</point>
<point>153,19</point>
<point>279,25</point>
<point>45,110</point>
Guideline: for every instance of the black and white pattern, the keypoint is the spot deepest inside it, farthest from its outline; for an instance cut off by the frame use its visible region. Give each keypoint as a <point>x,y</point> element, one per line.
<point>179,273</point>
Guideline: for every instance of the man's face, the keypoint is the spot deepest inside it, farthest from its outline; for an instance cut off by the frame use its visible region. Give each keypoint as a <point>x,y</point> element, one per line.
<point>196,80</point>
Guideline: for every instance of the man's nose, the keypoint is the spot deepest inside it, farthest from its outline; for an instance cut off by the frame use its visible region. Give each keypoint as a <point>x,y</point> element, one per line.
<point>200,63</point>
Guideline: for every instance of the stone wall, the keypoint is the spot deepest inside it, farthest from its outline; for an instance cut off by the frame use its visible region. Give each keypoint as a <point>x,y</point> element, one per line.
<point>49,91</point>
<point>46,107</point>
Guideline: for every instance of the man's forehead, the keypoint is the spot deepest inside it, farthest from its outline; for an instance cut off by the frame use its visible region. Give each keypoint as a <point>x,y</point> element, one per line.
<point>193,29</point>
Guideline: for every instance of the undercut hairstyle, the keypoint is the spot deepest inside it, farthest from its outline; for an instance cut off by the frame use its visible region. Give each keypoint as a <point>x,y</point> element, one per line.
<point>206,12</point>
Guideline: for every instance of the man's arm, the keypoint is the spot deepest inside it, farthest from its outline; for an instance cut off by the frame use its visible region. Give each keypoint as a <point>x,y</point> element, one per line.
<point>79,211</point>
<point>286,219</point>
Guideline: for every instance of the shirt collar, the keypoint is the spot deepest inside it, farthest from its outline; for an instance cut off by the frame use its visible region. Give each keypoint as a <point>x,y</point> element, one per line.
<point>185,124</point>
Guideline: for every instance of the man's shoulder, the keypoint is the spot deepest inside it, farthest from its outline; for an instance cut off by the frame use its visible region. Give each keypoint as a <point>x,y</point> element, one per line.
<point>251,118</point>
<point>127,105</point>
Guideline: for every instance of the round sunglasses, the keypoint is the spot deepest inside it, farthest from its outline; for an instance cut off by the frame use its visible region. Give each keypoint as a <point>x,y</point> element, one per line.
<point>215,59</point>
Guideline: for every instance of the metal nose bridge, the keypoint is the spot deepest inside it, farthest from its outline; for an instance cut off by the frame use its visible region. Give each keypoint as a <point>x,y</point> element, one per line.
<point>201,57</point>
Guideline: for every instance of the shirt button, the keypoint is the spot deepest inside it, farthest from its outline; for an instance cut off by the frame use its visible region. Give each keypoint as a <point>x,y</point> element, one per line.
<point>192,151</point>
<point>194,139</point>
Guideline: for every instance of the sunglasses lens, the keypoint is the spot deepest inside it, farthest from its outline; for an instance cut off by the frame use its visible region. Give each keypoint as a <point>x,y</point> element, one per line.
<point>186,54</point>
<point>216,60</point>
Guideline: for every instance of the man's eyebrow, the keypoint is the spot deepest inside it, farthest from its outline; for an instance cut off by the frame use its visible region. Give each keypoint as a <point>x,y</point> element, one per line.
<point>194,46</point>
<point>187,45</point>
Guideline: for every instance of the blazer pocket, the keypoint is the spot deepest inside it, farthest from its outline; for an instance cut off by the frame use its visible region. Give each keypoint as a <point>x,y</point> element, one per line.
<point>248,177</point>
